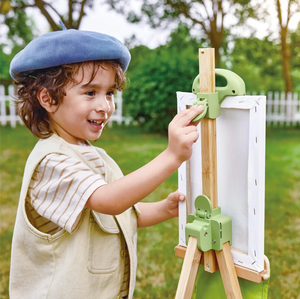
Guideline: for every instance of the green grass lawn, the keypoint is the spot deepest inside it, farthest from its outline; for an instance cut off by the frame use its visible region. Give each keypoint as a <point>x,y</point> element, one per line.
<point>158,268</point>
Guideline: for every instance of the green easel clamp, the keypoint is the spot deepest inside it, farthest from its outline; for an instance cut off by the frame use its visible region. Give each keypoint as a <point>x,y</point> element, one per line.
<point>212,107</point>
<point>208,226</point>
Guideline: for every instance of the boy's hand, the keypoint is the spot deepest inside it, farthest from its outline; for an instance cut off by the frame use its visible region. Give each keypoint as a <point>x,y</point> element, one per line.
<point>183,133</point>
<point>171,203</point>
<point>156,212</point>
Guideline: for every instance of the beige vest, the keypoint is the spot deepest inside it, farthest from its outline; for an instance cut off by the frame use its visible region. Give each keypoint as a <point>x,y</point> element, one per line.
<point>87,264</point>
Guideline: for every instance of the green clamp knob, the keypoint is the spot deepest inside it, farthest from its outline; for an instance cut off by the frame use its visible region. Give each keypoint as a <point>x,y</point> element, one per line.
<point>212,107</point>
<point>203,103</point>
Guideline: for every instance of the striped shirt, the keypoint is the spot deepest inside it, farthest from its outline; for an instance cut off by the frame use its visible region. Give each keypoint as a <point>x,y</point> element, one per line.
<point>60,188</point>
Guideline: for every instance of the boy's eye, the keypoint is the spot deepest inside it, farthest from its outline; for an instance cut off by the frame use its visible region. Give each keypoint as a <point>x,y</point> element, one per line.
<point>91,93</point>
<point>110,95</point>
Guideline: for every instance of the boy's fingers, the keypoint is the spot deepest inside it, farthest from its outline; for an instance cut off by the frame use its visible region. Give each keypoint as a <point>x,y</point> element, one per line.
<point>186,116</point>
<point>192,137</point>
<point>194,124</point>
<point>189,129</point>
<point>181,197</point>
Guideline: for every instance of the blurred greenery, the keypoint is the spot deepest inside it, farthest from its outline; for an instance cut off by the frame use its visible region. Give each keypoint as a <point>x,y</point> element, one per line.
<point>158,268</point>
<point>156,74</point>
<point>150,97</point>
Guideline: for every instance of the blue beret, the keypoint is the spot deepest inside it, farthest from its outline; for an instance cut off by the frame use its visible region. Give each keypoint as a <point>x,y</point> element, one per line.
<point>66,47</point>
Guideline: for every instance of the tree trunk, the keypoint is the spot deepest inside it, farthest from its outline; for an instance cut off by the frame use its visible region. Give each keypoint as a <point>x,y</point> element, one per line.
<point>286,58</point>
<point>285,47</point>
<point>216,44</point>
<point>215,36</point>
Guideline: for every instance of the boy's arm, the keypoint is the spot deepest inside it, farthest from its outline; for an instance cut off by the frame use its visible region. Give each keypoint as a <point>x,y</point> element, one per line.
<point>115,198</point>
<point>155,212</point>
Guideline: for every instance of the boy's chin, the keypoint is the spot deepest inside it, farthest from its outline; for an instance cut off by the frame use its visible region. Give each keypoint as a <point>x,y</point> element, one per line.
<point>95,139</point>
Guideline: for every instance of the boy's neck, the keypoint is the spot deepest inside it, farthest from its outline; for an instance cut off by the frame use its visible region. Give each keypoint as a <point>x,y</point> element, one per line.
<point>79,142</point>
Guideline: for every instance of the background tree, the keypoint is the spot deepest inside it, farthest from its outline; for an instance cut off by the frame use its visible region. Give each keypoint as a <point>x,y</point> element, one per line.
<point>293,6</point>
<point>295,59</point>
<point>279,14</point>
<point>72,18</point>
<point>258,62</point>
<point>206,16</point>
<point>20,30</point>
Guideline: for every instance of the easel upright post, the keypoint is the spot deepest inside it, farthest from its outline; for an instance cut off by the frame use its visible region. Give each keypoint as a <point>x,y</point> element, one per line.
<point>208,143</point>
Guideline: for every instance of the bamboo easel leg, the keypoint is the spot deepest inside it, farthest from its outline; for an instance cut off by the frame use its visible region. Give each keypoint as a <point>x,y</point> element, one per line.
<point>189,270</point>
<point>229,277</point>
<point>210,261</point>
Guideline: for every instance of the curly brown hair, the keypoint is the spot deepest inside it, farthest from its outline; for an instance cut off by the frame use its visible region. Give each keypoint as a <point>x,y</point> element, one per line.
<point>55,80</point>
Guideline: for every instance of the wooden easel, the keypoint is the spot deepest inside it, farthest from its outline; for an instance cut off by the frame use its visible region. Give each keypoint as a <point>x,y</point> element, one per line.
<point>213,260</point>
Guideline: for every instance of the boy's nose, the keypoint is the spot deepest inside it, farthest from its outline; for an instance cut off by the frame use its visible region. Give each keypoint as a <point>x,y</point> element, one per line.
<point>102,104</point>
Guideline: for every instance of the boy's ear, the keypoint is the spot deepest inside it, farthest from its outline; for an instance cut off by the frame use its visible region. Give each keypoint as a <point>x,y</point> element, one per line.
<point>46,101</point>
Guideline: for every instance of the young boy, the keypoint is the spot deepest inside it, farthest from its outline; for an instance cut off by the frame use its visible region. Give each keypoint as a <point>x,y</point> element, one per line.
<point>75,230</point>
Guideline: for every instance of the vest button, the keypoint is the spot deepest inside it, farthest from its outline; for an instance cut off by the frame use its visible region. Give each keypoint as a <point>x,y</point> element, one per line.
<point>123,253</point>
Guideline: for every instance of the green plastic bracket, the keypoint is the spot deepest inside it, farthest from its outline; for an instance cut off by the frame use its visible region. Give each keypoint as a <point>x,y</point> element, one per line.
<point>208,100</point>
<point>235,87</point>
<point>209,226</point>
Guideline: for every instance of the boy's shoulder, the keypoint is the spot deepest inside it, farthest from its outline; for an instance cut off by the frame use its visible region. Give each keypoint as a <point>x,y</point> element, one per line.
<point>50,144</point>
<point>56,144</point>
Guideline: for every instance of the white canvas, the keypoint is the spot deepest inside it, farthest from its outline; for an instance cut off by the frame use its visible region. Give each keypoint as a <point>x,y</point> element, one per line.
<point>240,172</point>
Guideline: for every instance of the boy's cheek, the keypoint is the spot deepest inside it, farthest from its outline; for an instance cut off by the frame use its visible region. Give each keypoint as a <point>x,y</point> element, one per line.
<point>112,109</point>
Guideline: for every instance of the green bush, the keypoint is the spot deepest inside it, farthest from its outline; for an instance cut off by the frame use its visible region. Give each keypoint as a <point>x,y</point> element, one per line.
<point>155,76</point>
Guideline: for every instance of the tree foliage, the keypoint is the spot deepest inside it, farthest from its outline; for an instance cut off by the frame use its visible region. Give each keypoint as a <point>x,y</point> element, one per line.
<point>258,63</point>
<point>207,17</point>
<point>295,59</point>
<point>21,28</point>
<point>295,48</point>
<point>156,75</point>
<point>72,17</point>
<point>280,14</point>
<point>20,31</point>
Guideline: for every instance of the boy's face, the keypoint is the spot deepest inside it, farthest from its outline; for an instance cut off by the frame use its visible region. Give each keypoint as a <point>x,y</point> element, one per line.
<point>87,106</point>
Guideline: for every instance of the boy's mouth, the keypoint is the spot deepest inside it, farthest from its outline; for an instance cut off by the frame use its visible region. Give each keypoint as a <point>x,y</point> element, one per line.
<point>95,122</point>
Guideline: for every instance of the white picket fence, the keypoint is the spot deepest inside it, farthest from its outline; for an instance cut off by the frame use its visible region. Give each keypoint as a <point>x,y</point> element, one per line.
<point>8,110</point>
<point>282,109</point>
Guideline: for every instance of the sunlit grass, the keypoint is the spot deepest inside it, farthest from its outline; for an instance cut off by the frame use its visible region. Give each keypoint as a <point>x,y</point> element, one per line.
<point>158,268</point>
<point>282,237</point>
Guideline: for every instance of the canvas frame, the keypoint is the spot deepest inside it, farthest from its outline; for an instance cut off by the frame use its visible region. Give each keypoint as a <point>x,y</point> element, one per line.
<point>241,174</point>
